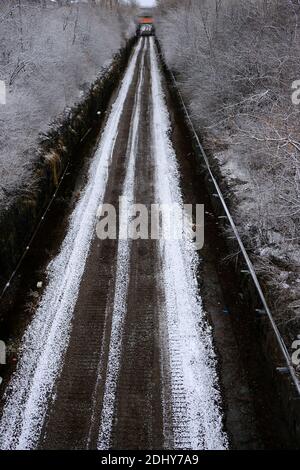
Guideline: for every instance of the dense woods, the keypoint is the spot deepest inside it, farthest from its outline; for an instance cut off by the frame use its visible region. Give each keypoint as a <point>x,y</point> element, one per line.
<point>50,52</point>
<point>236,62</point>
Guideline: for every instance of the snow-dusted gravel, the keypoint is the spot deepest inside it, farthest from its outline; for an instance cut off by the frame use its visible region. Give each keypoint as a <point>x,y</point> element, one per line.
<point>196,415</point>
<point>122,278</point>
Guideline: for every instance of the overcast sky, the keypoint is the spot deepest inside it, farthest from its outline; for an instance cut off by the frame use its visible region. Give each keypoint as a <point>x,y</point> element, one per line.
<point>146,3</point>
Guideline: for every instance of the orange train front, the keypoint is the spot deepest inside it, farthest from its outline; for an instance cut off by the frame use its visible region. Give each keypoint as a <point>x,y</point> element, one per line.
<point>145,26</point>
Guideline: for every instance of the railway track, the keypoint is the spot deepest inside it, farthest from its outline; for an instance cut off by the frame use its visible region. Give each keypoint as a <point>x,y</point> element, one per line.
<point>119,353</point>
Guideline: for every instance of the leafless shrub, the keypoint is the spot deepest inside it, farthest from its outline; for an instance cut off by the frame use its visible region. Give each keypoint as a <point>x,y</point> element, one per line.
<point>235,61</point>
<point>49,54</point>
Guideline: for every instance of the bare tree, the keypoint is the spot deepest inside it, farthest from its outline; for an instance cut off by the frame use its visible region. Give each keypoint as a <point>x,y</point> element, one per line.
<point>49,54</point>
<point>236,61</point>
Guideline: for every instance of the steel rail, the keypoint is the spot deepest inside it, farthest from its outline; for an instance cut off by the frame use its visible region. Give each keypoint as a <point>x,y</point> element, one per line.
<point>280,341</point>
